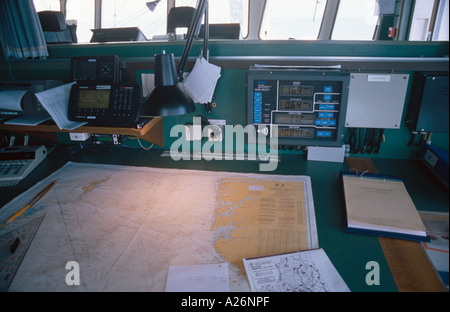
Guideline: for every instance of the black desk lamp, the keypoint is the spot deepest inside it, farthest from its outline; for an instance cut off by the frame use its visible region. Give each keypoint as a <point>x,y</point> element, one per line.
<point>168,98</point>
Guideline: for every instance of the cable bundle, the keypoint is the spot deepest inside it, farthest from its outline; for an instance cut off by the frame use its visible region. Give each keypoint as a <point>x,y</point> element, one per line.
<point>365,140</point>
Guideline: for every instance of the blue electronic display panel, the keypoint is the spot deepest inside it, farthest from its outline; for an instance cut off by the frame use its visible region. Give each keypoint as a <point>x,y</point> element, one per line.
<point>308,107</point>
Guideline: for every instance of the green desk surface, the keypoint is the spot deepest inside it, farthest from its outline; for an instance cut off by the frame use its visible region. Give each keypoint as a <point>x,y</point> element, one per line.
<point>349,252</point>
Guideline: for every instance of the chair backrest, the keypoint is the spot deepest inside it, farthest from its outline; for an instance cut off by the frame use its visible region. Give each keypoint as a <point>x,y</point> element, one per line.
<point>73,32</point>
<point>55,27</point>
<point>179,17</point>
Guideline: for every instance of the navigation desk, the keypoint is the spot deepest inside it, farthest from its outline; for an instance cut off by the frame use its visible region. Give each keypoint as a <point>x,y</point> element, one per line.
<point>349,252</point>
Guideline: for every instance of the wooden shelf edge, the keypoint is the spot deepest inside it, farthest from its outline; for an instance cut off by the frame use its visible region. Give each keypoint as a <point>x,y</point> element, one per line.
<point>152,131</point>
<point>155,132</point>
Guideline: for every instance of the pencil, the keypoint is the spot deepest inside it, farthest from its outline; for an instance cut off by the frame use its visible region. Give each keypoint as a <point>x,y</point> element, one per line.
<point>31,203</point>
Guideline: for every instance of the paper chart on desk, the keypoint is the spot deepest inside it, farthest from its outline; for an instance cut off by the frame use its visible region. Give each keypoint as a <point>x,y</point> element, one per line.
<point>125,236</point>
<point>56,102</point>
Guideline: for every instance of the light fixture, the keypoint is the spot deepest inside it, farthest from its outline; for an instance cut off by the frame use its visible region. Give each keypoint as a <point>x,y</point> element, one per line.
<point>168,98</point>
<point>152,5</point>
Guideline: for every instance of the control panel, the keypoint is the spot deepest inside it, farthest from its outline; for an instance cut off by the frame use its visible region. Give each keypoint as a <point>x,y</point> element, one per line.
<point>308,107</point>
<point>113,104</point>
<point>95,69</point>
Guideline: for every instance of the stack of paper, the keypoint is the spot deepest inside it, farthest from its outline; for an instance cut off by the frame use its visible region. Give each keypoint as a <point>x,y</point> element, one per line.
<point>201,82</point>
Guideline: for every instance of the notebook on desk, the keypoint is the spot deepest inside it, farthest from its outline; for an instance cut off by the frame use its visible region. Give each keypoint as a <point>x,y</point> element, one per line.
<point>380,205</point>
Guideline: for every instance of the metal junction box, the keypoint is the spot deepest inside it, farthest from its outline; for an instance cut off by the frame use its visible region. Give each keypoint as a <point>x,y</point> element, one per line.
<point>376,100</point>
<point>428,109</point>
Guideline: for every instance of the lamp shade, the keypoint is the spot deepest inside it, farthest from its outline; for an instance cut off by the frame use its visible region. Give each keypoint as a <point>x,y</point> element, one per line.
<point>152,5</point>
<point>168,98</point>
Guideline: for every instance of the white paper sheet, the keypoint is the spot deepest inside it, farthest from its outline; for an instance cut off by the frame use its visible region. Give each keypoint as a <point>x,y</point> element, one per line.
<point>28,120</point>
<point>198,278</point>
<point>202,80</point>
<point>437,249</point>
<point>56,102</point>
<point>306,271</point>
<point>10,99</point>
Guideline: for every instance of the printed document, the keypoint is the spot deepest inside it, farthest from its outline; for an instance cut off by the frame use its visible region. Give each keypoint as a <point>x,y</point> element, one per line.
<point>198,278</point>
<point>56,102</point>
<point>306,271</point>
<point>382,205</point>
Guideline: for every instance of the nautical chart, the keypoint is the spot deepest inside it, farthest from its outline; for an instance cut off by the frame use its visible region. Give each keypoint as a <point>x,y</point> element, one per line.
<point>125,226</point>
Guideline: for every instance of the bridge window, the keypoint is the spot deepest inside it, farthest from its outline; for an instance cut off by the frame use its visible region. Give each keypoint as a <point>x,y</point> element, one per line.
<point>356,20</point>
<point>287,19</point>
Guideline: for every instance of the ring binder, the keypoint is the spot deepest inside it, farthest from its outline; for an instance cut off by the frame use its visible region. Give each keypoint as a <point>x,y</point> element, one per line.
<point>377,204</point>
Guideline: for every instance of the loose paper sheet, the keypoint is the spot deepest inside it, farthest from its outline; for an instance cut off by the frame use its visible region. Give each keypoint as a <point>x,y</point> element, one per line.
<point>437,249</point>
<point>202,80</point>
<point>28,120</point>
<point>308,271</point>
<point>198,278</point>
<point>56,102</point>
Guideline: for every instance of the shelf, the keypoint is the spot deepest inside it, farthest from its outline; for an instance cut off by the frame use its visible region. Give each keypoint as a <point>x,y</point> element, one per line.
<point>152,131</point>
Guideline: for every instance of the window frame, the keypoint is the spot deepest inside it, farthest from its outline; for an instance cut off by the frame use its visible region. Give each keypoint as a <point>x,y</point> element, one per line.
<point>170,4</point>
<point>262,20</point>
<point>326,28</point>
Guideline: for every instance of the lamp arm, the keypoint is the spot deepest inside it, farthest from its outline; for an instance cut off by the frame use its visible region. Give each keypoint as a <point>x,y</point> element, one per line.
<point>206,33</point>
<point>194,28</point>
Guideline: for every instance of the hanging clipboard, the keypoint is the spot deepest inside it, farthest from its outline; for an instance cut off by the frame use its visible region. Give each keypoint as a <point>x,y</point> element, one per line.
<point>379,205</point>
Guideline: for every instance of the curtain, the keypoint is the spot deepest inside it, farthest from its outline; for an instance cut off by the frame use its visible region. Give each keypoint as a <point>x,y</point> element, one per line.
<point>21,33</point>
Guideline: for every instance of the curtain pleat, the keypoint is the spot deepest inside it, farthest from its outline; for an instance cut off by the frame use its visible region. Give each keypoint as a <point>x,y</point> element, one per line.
<point>21,33</point>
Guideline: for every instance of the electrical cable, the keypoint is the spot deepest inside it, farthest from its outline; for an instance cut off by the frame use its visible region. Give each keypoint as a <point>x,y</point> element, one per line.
<point>375,137</point>
<point>429,138</point>
<point>73,149</point>
<point>380,140</point>
<point>351,140</point>
<point>369,140</point>
<point>143,147</point>
<point>421,138</point>
<point>364,140</point>
<point>411,139</point>
<point>362,145</point>
<point>355,148</point>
